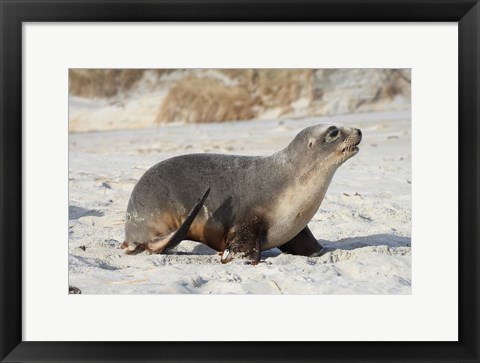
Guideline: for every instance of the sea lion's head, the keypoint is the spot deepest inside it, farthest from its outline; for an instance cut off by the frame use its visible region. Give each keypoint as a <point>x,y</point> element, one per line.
<point>325,145</point>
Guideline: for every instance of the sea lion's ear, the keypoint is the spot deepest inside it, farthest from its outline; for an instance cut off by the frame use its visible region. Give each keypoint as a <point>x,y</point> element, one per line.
<point>311,142</point>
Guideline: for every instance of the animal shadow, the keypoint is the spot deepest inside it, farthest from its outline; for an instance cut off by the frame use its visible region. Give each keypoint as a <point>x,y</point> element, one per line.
<point>199,249</point>
<point>352,243</point>
<point>346,244</point>
<point>79,212</point>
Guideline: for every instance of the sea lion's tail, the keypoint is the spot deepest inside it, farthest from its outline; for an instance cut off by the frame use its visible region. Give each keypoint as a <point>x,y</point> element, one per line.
<point>180,234</point>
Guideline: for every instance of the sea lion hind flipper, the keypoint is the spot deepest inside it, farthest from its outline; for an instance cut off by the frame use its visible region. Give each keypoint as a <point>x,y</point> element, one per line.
<point>303,244</point>
<point>133,248</point>
<point>164,244</point>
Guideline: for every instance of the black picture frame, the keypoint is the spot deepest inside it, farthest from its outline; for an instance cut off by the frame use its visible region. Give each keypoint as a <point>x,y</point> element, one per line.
<point>14,12</point>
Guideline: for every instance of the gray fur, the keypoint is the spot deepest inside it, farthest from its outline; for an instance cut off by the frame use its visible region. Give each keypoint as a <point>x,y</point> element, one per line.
<point>242,188</point>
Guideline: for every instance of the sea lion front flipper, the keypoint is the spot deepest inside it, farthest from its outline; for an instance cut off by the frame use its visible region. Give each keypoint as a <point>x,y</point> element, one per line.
<point>247,243</point>
<point>303,244</point>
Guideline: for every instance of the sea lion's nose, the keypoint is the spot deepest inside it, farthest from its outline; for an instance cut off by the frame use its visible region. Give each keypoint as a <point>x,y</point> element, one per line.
<point>359,133</point>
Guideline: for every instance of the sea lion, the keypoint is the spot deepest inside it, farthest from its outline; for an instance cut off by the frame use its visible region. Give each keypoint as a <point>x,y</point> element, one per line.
<point>250,203</point>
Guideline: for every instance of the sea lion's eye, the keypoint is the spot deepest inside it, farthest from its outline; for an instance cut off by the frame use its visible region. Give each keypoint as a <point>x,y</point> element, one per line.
<point>332,135</point>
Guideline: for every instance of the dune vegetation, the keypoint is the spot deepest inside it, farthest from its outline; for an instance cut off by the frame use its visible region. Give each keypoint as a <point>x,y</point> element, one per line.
<point>136,98</point>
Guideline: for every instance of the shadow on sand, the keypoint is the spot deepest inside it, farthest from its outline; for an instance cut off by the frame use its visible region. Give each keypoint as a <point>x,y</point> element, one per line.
<point>353,243</point>
<point>346,244</point>
<point>79,212</point>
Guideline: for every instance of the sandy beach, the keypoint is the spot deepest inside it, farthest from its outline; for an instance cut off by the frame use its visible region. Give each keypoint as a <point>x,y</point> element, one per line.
<point>364,221</point>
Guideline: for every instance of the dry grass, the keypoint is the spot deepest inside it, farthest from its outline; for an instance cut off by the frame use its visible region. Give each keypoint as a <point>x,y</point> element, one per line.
<point>194,99</point>
<point>238,94</point>
<point>281,87</point>
<point>397,82</point>
<point>105,83</point>
<point>274,87</point>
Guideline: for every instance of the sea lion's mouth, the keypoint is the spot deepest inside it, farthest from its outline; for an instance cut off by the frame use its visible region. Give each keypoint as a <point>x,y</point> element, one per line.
<point>353,148</point>
<point>351,143</point>
<point>350,149</point>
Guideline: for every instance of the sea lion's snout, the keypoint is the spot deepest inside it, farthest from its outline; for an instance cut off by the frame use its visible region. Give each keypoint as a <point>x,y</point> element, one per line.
<point>351,141</point>
<point>359,133</point>
<point>355,136</point>
<point>349,146</point>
